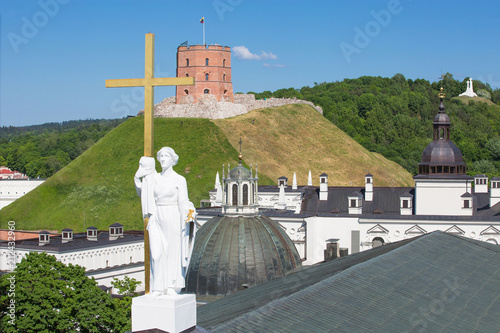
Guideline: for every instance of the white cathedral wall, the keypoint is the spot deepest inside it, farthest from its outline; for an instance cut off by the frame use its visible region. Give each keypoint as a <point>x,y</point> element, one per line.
<point>293,200</point>
<point>295,231</point>
<point>397,230</point>
<point>441,197</point>
<point>320,229</point>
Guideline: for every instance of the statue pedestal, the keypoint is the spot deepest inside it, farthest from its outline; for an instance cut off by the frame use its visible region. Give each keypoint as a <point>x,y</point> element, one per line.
<point>173,314</point>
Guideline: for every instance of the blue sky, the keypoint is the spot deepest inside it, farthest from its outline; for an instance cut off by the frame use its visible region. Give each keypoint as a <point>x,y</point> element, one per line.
<point>56,54</point>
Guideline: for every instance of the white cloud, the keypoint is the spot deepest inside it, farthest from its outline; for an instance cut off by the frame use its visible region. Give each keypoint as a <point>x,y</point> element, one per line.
<point>243,53</point>
<point>273,65</point>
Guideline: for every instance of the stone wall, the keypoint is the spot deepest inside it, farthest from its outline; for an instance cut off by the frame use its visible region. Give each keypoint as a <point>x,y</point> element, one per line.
<point>208,107</point>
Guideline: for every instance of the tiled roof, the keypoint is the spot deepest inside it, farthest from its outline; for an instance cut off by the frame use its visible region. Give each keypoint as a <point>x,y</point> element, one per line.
<point>433,283</point>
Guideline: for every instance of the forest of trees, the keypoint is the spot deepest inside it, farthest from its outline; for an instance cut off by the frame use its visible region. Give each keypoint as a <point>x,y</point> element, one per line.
<point>42,150</point>
<point>393,116</point>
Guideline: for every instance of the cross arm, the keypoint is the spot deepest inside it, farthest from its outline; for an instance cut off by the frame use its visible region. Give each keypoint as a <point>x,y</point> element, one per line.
<point>117,83</point>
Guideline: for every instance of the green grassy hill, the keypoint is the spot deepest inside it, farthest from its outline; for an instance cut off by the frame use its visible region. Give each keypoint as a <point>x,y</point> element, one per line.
<point>99,183</point>
<point>97,188</point>
<point>466,100</point>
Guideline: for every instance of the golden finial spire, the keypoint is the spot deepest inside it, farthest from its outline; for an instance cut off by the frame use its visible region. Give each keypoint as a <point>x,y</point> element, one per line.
<point>441,94</point>
<point>240,155</point>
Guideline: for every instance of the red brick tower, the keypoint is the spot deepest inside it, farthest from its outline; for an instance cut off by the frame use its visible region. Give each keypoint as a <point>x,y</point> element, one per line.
<point>210,65</point>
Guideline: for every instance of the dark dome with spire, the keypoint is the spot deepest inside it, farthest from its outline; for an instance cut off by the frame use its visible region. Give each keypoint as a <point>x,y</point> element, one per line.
<point>232,253</point>
<point>441,158</point>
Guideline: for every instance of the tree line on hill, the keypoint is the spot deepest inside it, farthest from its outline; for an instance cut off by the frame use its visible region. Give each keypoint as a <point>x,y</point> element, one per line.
<point>393,117</point>
<point>42,150</point>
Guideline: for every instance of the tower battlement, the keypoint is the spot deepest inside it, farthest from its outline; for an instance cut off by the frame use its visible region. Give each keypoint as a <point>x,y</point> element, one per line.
<point>210,65</point>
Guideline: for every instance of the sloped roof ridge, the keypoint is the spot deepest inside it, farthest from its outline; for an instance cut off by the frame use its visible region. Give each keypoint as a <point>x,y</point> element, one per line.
<point>233,306</point>
<point>266,317</point>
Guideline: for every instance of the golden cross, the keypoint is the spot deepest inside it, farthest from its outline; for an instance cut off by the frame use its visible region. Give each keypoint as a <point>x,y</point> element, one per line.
<point>148,82</point>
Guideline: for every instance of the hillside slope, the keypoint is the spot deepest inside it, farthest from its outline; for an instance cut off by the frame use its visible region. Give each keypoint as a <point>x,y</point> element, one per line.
<point>296,138</point>
<point>97,188</point>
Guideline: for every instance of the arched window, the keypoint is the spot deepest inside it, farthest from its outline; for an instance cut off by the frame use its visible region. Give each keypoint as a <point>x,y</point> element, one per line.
<point>206,77</point>
<point>224,63</point>
<point>187,75</point>
<point>187,62</point>
<point>235,195</point>
<point>377,241</point>
<point>225,92</point>
<point>224,77</point>
<point>206,62</point>
<point>186,91</point>
<point>206,91</point>
<point>245,195</point>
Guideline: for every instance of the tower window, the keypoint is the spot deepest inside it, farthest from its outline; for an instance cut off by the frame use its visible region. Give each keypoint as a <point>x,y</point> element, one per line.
<point>186,91</point>
<point>206,77</point>
<point>206,62</point>
<point>206,91</point>
<point>245,194</point>
<point>405,204</point>
<point>225,92</point>
<point>224,77</point>
<point>223,62</point>
<point>187,62</point>
<point>323,180</point>
<point>353,203</point>
<point>187,75</point>
<point>368,180</point>
<point>466,204</point>
<point>235,195</point>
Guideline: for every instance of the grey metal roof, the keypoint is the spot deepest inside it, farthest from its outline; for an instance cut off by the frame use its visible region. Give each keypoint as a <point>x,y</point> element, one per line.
<point>79,242</point>
<point>433,283</point>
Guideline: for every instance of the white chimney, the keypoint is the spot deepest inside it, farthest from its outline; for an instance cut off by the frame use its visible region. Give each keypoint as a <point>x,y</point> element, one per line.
<point>309,179</point>
<point>294,184</point>
<point>281,199</point>
<point>323,187</point>
<point>369,187</point>
<point>494,191</point>
<point>480,184</point>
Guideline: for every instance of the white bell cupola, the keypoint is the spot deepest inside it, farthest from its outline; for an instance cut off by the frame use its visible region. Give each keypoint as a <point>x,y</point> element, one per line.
<point>309,179</point>
<point>240,190</point>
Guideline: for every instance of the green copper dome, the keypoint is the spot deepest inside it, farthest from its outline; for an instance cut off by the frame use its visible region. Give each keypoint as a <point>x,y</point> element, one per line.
<point>232,253</point>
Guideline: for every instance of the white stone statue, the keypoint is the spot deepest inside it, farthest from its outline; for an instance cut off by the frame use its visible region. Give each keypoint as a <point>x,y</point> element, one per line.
<point>171,227</point>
